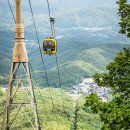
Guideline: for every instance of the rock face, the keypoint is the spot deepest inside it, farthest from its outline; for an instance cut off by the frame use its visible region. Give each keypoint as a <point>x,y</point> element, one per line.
<point>87,87</point>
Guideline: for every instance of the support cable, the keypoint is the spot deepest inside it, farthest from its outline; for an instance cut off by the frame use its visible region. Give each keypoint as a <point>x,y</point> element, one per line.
<point>11,10</point>
<point>52,21</point>
<point>42,58</point>
<point>40,95</point>
<point>60,83</point>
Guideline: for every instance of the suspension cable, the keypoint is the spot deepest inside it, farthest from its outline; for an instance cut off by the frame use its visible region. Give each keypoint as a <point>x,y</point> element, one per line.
<point>11,10</point>
<point>60,83</point>
<point>39,45</point>
<point>52,21</point>
<point>49,8</point>
<point>40,94</point>
<point>49,11</point>
<point>42,58</point>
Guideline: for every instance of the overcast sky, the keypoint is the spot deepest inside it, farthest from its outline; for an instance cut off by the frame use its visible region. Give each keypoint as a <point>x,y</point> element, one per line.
<point>72,3</point>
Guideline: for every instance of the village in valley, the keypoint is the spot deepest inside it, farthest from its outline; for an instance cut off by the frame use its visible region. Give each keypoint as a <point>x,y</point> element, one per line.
<point>87,87</point>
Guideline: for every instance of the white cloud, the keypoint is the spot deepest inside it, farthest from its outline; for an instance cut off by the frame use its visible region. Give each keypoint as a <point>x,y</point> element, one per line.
<point>59,37</point>
<point>97,29</point>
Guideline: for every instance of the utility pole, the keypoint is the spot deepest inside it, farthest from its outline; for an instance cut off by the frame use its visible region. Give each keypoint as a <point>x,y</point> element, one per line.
<point>20,71</point>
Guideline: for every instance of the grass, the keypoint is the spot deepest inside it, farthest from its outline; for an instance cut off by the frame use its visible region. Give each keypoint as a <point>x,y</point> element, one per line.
<point>52,117</point>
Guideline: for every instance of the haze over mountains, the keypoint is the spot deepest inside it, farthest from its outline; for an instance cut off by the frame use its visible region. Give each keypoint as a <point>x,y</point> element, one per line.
<point>87,32</point>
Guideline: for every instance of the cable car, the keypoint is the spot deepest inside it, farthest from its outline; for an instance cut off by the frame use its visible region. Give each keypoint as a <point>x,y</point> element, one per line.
<point>50,46</point>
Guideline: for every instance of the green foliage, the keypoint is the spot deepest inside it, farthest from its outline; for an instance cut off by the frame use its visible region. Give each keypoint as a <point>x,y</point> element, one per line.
<point>95,100</point>
<point>1,107</point>
<point>124,13</point>
<point>50,115</point>
<point>86,119</point>
<point>1,92</point>
<point>79,63</point>
<point>118,76</point>
<point>116,113</point>
<point>81,59</point>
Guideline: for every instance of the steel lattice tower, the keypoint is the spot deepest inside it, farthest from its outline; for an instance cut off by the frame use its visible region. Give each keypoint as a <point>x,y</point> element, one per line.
<point>20,71</point>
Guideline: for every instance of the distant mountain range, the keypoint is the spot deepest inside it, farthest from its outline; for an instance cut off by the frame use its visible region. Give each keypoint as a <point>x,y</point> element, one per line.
<point>88,38</point>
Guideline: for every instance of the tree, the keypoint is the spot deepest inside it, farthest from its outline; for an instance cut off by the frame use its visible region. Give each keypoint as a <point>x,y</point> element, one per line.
<point>124,13</point>
<point>116,113</point>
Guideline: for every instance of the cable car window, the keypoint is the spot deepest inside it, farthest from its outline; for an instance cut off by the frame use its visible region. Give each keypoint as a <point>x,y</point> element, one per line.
<point>50,46</point>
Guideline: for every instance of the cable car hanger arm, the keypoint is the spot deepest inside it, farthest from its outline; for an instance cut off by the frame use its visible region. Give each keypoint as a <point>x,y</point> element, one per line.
<point>52,22</point>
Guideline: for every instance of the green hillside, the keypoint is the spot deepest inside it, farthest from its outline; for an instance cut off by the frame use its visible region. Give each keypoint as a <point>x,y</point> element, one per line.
<point>50,115</point>
<point>90,40</point>
<point>76,59</point>
<point>85,117</point>
<point>74,66</point>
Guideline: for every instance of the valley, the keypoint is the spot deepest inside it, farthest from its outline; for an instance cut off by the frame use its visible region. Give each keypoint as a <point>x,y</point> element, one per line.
<point>87,42</point>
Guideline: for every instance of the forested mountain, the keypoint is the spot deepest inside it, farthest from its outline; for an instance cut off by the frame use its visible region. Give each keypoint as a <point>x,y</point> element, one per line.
<point>88,38</point>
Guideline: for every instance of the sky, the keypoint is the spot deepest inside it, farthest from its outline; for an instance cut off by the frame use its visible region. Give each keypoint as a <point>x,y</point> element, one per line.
<point>75,3</point>
<point>71,3</point>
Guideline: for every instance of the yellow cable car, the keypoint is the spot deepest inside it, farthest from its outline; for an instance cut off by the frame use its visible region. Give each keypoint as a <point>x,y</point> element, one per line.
<point>50,46</point>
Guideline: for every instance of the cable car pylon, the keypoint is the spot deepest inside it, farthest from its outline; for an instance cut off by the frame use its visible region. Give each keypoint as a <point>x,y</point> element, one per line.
<point>20,72</point>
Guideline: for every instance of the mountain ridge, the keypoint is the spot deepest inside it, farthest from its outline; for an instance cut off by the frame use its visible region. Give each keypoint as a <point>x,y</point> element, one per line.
<point>88,37</point>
